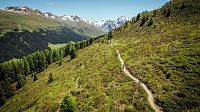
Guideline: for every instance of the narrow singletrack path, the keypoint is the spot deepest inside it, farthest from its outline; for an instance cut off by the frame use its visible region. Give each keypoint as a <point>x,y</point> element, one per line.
<point>150,95</point>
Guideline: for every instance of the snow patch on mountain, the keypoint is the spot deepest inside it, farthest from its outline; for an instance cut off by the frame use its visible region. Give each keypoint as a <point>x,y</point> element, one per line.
<point>50,15</point>
<point>95,22</point>
<point>71,18</point>
<point>108,25</point>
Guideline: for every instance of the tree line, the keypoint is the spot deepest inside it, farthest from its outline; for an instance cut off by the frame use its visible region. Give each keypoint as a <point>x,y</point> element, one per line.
<point>13,73</point>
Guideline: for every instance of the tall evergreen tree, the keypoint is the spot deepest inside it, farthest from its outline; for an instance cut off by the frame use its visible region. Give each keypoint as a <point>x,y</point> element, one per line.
<point>67,50</point>
<point>110,36</point>
<point>143,21</point>
<point>147,17</point>
<point>31,63</point>
<point>56,55</point>
<point>164,12</point>
<point>34,77</point>
<point>182,6</point>
<point>73,52</point>
<point>150,22</point>
<point>168,12</point>
<point>50,57</point>
<point>138,17</point>
<point>50,78</point>
<point>20,81</point>
<point>26,67</point>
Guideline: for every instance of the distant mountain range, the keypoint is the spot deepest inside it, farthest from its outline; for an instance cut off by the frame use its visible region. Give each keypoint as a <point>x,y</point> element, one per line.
<point>24,30</point>
<point>107,25</point>
<point>104,25</point>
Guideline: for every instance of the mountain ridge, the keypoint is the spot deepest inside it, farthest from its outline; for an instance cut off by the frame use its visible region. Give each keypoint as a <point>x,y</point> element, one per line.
<point>104,25</point>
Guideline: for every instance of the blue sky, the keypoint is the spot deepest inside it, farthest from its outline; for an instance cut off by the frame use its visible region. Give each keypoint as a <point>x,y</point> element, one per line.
<point>99,9</point>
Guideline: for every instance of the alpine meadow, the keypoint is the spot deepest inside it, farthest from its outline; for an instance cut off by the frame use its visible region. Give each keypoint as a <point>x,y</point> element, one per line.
<point>149,62</point>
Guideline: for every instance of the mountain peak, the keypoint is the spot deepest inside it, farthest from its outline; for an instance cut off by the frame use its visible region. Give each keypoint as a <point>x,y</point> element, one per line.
<point>73,18</point>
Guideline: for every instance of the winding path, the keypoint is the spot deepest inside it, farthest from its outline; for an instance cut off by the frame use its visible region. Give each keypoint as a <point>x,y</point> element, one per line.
<point>150,95</point>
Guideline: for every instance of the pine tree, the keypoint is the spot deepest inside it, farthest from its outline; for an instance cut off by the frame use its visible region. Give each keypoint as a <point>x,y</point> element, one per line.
<point>26,67</point>
<point>164,12</point>
<point>147,17</point>
<point>20,81</point>
<point>110,36</point>
<point>34,77</point>
<point>50,57</point>
<point>150,22</point>
<point>73,52</point>
<point>68,104</point>
<point>138,17</point>
<point>50,78</point>
<point>32,65</point>
<point>168,12</point>
<point>67,50</point>
<point>21,67</point>
<point>126,24</point>
<point>56,55</point>
<point>143,21</point>
<point>46,53</point>
<point>15,68</point>
<point>43,60</point>
<point>182,6</point>
<point>154,13</point>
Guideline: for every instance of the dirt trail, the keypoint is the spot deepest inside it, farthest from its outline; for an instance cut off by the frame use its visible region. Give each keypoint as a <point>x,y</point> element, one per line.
<point>150,95</point>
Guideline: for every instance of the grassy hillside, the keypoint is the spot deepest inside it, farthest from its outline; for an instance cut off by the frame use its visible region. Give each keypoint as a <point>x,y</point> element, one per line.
<point>10,21</point>
<point>163,55</point>
<point>94,79</point>
<point>166,55</point>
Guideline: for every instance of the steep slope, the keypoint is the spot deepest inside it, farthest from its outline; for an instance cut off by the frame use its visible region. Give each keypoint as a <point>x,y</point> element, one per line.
<point>94,79</point>
<point>164,55</point>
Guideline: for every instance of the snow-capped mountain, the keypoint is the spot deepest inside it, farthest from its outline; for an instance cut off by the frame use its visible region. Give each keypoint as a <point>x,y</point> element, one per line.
<point>71,18</point>
<point>95,22</point>
<point>108,25</point>
<point>50,15</point>
<point>121,20</point>
<point>104,25</point>
<point>23,10</point>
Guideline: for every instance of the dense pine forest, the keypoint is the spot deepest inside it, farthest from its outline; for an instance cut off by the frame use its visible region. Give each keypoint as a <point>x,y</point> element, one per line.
<point>16,70</point>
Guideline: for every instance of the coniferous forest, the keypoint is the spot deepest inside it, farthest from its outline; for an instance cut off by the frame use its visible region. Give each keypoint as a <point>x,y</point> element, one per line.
<point>13,73</point>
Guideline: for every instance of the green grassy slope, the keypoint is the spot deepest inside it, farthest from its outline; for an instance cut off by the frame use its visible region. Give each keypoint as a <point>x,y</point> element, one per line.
<point>165,56</point>
<point>10,21</point>
<point>93,78</point>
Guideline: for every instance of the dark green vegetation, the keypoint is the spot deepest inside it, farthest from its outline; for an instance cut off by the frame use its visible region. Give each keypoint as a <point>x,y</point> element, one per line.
<point>24,34</point>
<point>163,55</point>
<point>16,70</point>
<point>68,104</point>
<point>18,44</point>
